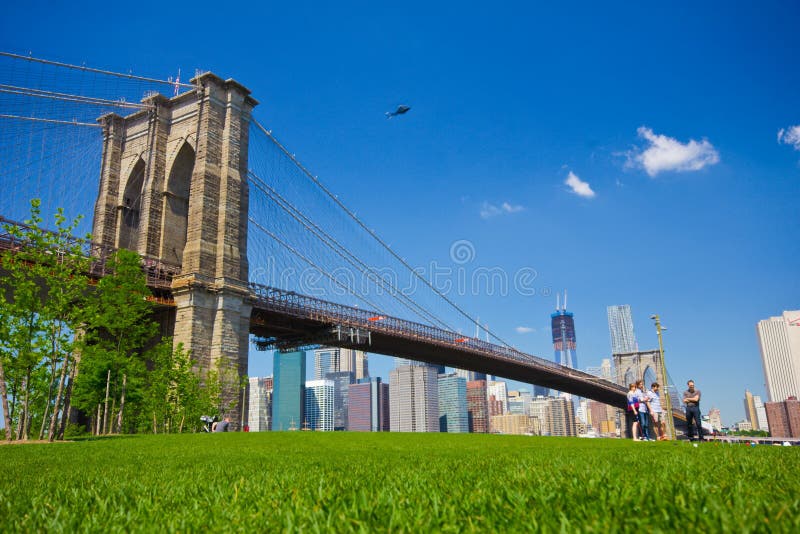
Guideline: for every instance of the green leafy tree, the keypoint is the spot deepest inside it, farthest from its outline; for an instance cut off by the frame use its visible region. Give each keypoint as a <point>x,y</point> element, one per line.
<point>44,283</point>
<point>175,399</point>
<point>118,324</point>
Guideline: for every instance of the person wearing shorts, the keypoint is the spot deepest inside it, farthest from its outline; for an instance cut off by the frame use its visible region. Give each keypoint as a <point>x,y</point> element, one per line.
<point>656,412</point>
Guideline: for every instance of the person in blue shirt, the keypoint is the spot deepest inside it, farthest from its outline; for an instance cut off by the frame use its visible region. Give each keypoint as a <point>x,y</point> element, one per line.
<point>644,415</point>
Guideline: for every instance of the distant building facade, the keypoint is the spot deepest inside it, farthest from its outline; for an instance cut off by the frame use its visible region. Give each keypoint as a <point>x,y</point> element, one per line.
<point>259,411</point>
<point>477,406</point>
<point>289,374</point>
<point>715,419</point>
<point>750,410</point>
<point>761,413</point>
<point>562,323</point>
<point>561,417</point>
<point>320,406</point>
<point>369,406</point>
<point>341,389</point>
<point>514,424</point>
<point>779,340</point>
<point>620,326</point>
<point>453,415</point>
<point>783,418</point>
<point>414,399</point>
<point>334,360</point>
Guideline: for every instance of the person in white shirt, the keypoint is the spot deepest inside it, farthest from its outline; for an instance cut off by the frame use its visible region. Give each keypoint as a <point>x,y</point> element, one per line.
<point>656,412</point>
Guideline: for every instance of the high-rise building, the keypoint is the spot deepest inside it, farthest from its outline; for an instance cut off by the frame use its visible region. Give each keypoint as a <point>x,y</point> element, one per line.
<point>319,405</point>
<point>750,410</point>
<point>714,419</point>
<point>260,404</point>
<point>289,371</point>
<point>369,406</point>
<point>469,376</point>
<point>341,386</point>
<point>477,406</point>
<point>761,413</point>
<point>335,360</point>
<point>620,326</point>
<point>498,390</point>
<point>561,417</point>
<point>453,415</point>
<point>564,341</point>
<point>538,410</point>
<point>414,399</point>
<point>783,418</point>
<point>779,338</point>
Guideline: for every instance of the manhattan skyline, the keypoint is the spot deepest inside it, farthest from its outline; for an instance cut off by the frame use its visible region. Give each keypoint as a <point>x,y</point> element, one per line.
<point>630,156</point>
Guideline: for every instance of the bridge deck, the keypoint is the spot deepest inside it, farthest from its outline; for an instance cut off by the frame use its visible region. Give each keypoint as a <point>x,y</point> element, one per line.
<point>279,314</point>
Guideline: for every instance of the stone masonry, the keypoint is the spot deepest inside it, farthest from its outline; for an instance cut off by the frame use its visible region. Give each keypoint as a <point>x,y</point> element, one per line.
<point>174,188</point>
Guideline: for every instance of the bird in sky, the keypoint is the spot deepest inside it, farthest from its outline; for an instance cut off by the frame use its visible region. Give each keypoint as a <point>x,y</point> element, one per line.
<point>401,109</point>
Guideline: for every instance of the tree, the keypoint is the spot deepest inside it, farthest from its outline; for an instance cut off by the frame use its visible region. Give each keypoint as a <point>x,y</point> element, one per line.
<point>118,323</point>
<point>174,399</point>
<point>44,284</point>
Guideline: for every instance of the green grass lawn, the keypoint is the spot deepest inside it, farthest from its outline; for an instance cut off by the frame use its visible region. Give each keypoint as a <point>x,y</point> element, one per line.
<point>267,482</point>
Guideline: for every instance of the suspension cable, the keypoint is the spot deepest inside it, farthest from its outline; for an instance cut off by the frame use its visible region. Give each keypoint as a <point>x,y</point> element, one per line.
<point>337,247</point>
<point>314,265</point>
<point>98,71</point>
<point>358,221</point>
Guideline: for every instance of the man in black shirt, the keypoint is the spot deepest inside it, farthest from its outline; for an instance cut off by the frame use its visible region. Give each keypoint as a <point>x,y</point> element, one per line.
<point>691,399</point>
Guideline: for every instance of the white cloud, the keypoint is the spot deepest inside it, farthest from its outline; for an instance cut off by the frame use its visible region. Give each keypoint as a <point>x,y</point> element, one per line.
<point>669,154</point>
<point>489,210</point>
<point>524,329</point>
<point>790,136</point>
<point>578,186</point>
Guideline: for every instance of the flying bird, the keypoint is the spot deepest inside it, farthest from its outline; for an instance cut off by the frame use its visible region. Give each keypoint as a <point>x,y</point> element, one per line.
<point>401,109</point>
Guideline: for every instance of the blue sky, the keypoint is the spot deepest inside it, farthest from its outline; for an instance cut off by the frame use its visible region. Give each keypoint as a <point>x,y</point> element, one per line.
<point>670,114</point>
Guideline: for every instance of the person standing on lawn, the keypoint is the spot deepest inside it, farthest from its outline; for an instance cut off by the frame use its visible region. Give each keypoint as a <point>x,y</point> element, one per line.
<point>656,412</point>
<point>644,412</point>
<point>691,399</point>
<point>632,414</point>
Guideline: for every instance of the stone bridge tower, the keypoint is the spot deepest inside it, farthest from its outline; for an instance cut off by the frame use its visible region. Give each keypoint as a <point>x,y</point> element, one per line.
<point>174,189</point>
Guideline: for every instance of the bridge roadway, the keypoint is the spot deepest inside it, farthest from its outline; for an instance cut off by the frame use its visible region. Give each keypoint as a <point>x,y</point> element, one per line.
<point>293,318</point>
<point>287,319</point>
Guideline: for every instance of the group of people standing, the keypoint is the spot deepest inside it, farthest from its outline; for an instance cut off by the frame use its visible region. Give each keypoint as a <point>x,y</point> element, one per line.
<point>644,407</point>
<point>645,413</point>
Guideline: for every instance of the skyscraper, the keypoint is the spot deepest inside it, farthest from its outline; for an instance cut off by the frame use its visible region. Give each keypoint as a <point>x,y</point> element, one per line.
<point>620,326</point>
<point>477,406</point>
<point>498,390</point>
<point>369,406</point>
<point>539,410</point>
<point>335,360</point>
<point>564,342</point>
<point>561,417</point>
<point>714,419</point>
<point>260,405</point>
<point>341,389</point>
<point>761,413</point>
<point>750,410</point>
<point>414,398</point>
<point>779,338</point>
<point>319,405</point>
<point>453,415</point>
<point>289,370</point>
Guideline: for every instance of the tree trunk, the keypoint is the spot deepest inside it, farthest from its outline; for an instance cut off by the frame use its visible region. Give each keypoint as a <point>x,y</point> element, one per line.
<point>65,417</point>
<point>111,418</point>
<point>4,395</point>
<point>180,429</point>
<point>98,420</point>
<point>122,403</point>
<point>22,426</point>
<point>51,433</point>
<point>53,361</point>
<point>105,411</point>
